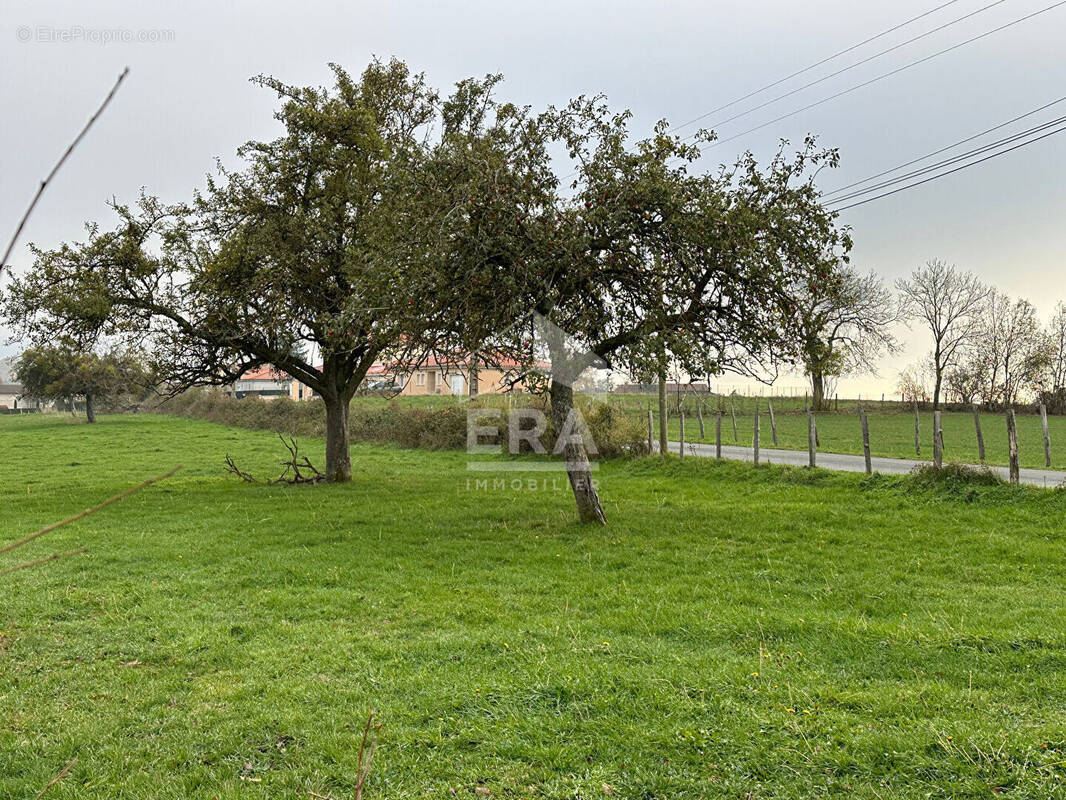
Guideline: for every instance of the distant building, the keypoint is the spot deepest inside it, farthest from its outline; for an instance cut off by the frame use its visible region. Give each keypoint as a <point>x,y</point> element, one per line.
<point>10,395</point>
<point>429,378</point>
<point>434,378</point>
<point>13,398</point>
<point>265,382</point>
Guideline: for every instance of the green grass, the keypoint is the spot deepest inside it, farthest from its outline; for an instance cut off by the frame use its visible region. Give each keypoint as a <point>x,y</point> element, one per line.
<point>891,428</point>
<point>733,633</point>
<point>892,435</point>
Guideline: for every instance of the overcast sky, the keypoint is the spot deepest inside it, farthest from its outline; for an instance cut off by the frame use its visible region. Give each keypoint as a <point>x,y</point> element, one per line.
<point>188,100</point>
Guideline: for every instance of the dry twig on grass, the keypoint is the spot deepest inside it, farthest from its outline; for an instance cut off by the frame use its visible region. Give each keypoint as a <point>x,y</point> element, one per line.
<point>39,561</point>
<point>232,467</point>
<point>62,774</point>
<point>303,471</point>
<point>295,464</point>
<point>364,769</point>
<point>81,515</point>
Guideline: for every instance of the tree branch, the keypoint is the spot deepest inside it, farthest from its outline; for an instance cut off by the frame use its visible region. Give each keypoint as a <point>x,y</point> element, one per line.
<point>55,169</point>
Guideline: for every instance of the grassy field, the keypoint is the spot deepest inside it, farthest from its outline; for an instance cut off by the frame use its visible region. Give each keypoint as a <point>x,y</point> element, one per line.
<point>891,428</point>
<point>733,633</point>
<point>892,435</point>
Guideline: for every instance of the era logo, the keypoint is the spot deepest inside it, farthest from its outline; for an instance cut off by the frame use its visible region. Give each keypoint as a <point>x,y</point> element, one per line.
<point>523,425</point>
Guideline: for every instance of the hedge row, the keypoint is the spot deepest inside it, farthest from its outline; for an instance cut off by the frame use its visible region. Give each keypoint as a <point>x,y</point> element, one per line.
<point>392,422</point>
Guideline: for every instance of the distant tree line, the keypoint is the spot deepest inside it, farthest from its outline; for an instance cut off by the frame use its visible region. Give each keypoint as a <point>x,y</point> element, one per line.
<point>989,349</point>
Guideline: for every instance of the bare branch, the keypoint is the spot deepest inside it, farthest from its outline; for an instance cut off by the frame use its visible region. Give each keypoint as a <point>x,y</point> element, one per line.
<point>297,464</point>
<point>40,561</point>
<point>120,496</point>
<point>62,774</point>
<point>233,468</point>
<point>55,169</point>
<point>363,768</point>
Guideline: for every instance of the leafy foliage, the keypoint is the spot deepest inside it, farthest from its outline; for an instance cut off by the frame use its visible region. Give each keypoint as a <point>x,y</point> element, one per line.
<point>59,372</point>
<point>844,324</point>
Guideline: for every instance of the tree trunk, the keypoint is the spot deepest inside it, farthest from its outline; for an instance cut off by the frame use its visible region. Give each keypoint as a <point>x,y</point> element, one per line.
<point>578,469</point>
<point>817,391</point>
<point>474,377</point>
<point>938,370</point>
<point>338,455</point>
<point>663,417</point>
<point>90,411</point>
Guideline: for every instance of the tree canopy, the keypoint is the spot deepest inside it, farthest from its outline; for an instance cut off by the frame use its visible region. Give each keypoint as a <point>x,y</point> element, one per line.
<point>642,259</point>
<point>844,325</point>
<point>63,372</point>
<point>387,222</point>
<point>311,257</point>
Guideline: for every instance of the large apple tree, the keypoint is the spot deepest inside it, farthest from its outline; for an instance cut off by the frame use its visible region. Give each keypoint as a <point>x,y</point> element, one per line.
<point>640,257</point>
<point>314,256</point>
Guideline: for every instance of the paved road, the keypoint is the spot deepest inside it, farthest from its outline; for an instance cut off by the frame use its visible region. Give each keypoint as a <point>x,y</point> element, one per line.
<point>849,463</point>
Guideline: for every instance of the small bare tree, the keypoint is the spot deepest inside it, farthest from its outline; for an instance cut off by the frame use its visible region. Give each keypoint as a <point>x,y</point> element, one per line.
<point>1056,334</point>
<point>912,383</point>
<point>844,329</point>
<point>949,301</point>
<point>1011,349</point>
<point>962,383</point>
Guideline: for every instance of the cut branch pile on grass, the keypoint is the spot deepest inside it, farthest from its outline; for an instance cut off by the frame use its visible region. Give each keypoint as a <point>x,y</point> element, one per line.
<point>298,469</point>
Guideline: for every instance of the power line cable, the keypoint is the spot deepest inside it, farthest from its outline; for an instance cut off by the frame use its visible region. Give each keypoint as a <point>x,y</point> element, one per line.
<point>888,74</point>
<point>869,178</point>
<point>815,65</point>
<point>948,161</point>
<point>842,70</point>
<point>952,171</point>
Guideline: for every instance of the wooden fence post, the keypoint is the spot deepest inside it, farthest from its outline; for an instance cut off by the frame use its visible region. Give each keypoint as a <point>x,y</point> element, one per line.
<point>733,414</point>
<point>1012,445</point>
<point>836,401</point>
<point>681,430</point>
<point>980,436</point>
<point>917,432</point>
<point>651,433</point>
<point>755,440</point>
<point>866,442</point>
<point>812,437</point>
<point>773,422</point>
<point>718,436</point>
<point>938,442</point>
<point>1047,436</point>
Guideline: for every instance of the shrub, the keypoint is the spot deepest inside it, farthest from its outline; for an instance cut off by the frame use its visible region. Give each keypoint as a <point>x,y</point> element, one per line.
<point>615,432</point>
<point>954,474</point>
<point>429,428</point>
